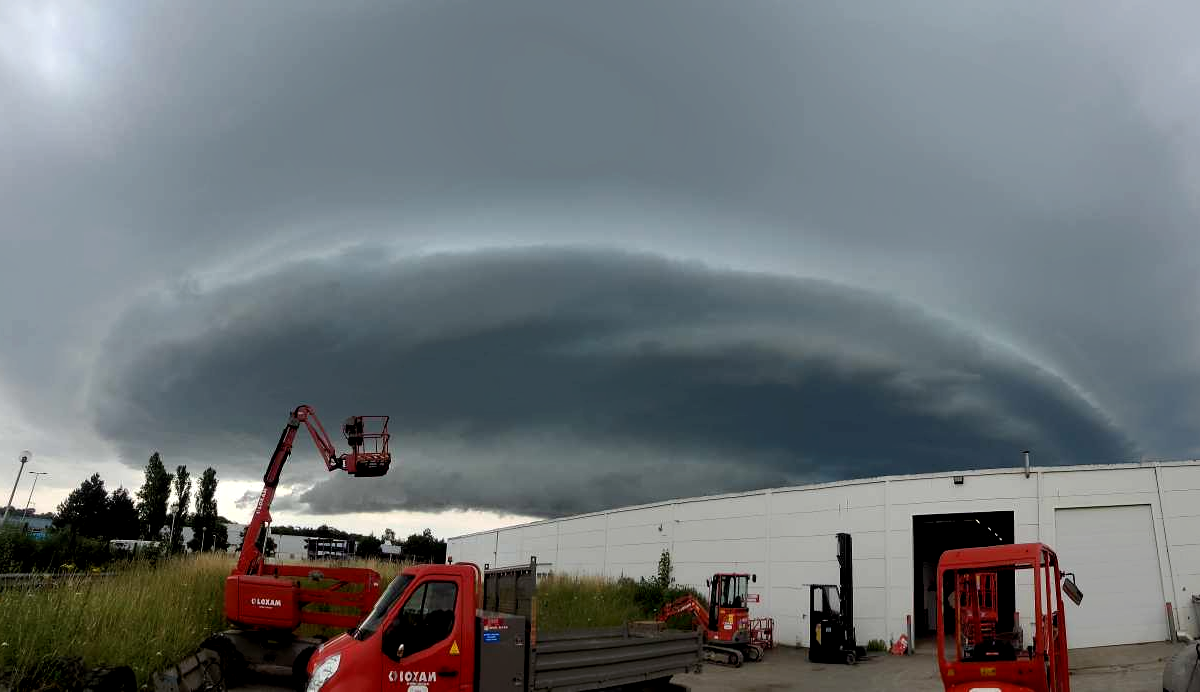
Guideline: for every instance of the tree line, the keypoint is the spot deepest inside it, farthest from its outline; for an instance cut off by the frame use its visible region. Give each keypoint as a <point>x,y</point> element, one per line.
<point>91,511</point>
<point>163,506</point>
<point>418,547</point>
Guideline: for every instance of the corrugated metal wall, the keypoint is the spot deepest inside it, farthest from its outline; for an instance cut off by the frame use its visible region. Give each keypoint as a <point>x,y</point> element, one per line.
<point>786,536</point>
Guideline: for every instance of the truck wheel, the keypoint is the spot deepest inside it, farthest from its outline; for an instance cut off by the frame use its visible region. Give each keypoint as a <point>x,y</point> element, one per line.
<point>233,664</point>
<point>300,668</point>
<point>851,658</point>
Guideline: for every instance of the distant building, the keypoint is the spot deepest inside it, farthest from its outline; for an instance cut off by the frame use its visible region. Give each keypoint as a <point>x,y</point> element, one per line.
<point>1129,531</point>
<point>133,546</point>
<point>34,525</point>
<point>329,548</point>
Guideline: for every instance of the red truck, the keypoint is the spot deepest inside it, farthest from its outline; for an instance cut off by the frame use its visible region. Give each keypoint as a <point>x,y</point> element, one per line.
<point>438,628</point>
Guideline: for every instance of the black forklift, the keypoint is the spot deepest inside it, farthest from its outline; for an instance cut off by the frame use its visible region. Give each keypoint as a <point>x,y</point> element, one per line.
<point>831,614</point>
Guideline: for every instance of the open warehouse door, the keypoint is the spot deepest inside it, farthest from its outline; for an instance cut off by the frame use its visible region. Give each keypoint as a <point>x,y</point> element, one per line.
<point>934,534</point>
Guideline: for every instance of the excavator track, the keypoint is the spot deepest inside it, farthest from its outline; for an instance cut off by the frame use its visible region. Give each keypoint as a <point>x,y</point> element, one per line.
<point>754,653</point>
<point>723,655</point>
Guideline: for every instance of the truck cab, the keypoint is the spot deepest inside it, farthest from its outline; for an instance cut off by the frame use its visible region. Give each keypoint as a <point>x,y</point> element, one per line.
<point>415,639</point>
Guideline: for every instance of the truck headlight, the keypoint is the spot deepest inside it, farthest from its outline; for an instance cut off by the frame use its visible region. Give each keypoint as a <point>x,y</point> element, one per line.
<point>323,672</point>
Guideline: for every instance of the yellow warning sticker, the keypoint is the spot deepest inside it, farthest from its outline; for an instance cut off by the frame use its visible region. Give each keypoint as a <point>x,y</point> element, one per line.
<point>454,648</point>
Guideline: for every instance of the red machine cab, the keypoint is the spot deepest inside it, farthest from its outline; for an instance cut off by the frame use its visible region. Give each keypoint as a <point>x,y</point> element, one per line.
<point>1003,662</point>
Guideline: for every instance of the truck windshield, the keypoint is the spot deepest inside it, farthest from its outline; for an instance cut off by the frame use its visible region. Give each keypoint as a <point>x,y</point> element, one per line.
<point>382,606</point>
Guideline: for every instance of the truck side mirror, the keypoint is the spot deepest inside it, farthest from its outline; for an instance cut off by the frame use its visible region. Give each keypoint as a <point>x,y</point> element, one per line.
<point>708,582</point>
<point>754,578</point>
<point>400,651</point>
<point>1071,590</point>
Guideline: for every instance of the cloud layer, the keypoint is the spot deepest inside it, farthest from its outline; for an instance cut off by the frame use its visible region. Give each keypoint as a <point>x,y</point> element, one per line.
<point>553,380</point>
<point>212,213</point>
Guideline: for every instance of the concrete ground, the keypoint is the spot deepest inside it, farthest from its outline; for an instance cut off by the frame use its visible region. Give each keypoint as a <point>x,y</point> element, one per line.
<point>1133,668</point>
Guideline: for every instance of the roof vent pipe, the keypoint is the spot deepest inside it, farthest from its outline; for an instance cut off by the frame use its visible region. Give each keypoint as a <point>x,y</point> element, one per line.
<point>1026,453</point>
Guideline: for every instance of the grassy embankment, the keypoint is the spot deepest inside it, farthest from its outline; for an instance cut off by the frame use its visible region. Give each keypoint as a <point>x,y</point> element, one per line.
<point>145,616</point>
<point>151,616</point>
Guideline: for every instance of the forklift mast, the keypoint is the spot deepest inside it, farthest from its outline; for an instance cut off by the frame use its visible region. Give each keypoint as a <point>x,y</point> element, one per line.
<point>846,579</point>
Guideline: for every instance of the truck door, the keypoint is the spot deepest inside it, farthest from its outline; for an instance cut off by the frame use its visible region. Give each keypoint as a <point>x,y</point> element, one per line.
<point>422,645</point>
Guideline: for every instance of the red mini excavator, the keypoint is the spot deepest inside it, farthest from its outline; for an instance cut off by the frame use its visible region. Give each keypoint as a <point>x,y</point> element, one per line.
<point>267,602</point>
<point>729,633</point>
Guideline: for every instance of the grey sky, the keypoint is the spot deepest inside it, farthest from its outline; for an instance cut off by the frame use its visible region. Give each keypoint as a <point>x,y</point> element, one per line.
<point>596,243</point>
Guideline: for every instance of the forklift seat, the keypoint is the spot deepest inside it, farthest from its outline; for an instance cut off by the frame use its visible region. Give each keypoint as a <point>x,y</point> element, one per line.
<point>993,650</point>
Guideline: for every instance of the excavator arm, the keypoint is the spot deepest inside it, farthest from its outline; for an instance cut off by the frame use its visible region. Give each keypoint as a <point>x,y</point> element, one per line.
<point>682,606</point>
<point>360,461</point>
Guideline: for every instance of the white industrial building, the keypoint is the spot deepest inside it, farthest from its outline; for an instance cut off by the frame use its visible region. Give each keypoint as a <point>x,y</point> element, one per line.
<point>1129,532</point>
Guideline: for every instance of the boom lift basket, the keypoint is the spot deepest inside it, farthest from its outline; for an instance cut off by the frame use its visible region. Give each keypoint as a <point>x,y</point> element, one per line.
<point>368,439</point>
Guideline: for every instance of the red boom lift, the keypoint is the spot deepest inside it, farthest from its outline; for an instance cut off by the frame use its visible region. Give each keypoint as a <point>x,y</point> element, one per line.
<point>267,602</point>
<point>730,636</point>
<point>998,663</point>
<point>977,594</point>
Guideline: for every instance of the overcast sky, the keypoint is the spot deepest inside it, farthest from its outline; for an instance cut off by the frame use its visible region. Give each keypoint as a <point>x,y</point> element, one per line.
<point>594,254</point>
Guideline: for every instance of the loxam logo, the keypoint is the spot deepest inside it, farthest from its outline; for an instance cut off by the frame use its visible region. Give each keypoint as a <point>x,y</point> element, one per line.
<point>266,602</point>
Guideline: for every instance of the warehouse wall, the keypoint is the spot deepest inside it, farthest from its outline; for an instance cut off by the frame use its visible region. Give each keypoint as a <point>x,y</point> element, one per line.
<point>787,536</point>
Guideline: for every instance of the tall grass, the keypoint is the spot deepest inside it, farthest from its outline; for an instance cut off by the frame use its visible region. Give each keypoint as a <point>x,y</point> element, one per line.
<point>570,602</point>
<point>149,616</point>
<point>146,617</point>
<point>578,602</point>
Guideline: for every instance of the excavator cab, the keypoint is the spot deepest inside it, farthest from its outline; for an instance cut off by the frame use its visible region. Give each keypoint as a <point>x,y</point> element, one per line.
<point>728,605</point>
<point>368,438</point>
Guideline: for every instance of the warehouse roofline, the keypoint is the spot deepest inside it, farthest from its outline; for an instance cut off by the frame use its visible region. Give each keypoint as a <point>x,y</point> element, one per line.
<point>844,483</point>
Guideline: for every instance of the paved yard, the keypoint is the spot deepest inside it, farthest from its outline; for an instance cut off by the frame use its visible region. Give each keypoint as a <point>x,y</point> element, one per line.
<point>1135,668</point>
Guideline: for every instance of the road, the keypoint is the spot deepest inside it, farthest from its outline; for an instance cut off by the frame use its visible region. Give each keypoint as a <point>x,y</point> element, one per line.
<point>1134,668</point>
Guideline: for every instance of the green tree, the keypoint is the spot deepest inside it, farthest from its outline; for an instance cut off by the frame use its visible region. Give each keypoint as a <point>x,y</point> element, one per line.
<point>205,520</point>
<point>84,510</point>
<point>270,547</point>
<point>220,537</point>
<point>183,495</point>
<point>389,537</point>
<point>666,575</point>
<point>123,521</point>
<point>153,497</point>
<point>368,547</point>
<point>424,547</point>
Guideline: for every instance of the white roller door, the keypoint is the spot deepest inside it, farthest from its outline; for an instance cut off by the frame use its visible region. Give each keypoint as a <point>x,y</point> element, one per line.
<point>1114,556</point>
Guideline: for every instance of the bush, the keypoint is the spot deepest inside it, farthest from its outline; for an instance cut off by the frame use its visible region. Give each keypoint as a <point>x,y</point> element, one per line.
<point>61,551</point>
<point>877,645</point>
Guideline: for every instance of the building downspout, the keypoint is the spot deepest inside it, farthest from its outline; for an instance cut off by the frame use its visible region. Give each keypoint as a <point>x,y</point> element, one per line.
<point>1162,512</point>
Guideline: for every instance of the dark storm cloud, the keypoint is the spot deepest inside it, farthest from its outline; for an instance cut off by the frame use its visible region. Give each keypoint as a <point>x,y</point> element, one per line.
<point>549,381</point>
<point>1026,170</point>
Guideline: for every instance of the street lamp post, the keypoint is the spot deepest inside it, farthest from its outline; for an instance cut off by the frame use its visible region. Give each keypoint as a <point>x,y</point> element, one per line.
<point>174,513</point>
<point>24,460</point>
<point>29,501</point>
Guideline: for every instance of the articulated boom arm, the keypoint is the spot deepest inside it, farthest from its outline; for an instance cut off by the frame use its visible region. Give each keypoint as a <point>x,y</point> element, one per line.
<point>358,462</point>
<point>682,605</point>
